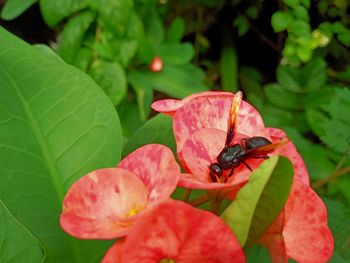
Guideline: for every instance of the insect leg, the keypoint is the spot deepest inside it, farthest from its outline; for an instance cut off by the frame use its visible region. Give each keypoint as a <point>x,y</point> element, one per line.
<point>244,162</point>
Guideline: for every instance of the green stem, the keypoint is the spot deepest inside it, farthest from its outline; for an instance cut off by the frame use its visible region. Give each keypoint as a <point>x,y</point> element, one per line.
<point>187,194</point>
<point>200,200</point>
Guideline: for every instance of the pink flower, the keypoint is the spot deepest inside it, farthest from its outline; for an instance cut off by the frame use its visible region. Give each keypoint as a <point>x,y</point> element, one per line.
<point>105,203</point>
<point>156,64</point>
<point>200,127</point>
<point>301,231</point>
<point>177,232</point>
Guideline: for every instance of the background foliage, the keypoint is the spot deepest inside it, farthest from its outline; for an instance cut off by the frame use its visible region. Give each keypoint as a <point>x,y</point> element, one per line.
<point>291,58</point>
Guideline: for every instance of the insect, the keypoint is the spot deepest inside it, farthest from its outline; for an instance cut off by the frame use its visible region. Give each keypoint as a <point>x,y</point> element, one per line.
<point>234,155</point>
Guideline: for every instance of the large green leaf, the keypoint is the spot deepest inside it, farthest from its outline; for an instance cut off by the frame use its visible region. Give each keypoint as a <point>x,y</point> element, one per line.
<point>282,98</point>
<point>56,125</point>
<point>260,201</point>
<point>17,244</point>
<point>175,53</point>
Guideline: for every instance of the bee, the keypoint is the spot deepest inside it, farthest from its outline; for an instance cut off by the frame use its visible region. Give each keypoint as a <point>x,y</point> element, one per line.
<point>232,156</point>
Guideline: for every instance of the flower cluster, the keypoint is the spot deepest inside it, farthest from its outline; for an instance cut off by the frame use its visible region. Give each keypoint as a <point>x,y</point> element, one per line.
<point>132,202</point>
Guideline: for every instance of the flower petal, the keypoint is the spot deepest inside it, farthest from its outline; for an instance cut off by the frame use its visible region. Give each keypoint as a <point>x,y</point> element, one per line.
<point>213,112</point>
<point>170,106</point>
<point>289,151</point>
<point>114,253</point>
<point>156,166</point>
<point>176,230</point>
<point>306,234</point>
<point>98,204</point>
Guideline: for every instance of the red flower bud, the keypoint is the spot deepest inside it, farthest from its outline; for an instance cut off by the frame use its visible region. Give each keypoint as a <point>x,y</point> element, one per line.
<point>156,64</point>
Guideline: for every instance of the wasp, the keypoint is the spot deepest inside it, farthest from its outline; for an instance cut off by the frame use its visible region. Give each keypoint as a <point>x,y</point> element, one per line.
<point>234,155</point>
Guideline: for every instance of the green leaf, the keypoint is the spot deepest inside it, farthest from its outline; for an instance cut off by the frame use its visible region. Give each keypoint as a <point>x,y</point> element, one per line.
<point>276,117</point>
<point>252,12</point>
<point>111,77</point>
<point>242,23</point>
<point>288,77</point>
<point>291,3</point>
<point>54,11</point>
<point>251,79</point>
<point>144,92</point>
<point>260,201</point>
<point>319,97</point>
<point>315,74</point>
<point>338,220</point>
<point>154,28</point>
<point>176,82</point>
<point>55,126</point>
<point>315,119</point>
<point>339,105</point>
<point>83,58</point>
<point>257,254</point>
<point>229,69</point>
<point>175,53</point>
<point>156,130</point>
<point>337,135</point>
<point>301,13</point>
<point>113,15</point>
<point>72,35</point>
<point>281,97</point>
<point>14,8</point>
<point>18,245</point>
<point>300,29</point>
<point>306,3</point>
<point>176,30</point>
<point>280,21</point>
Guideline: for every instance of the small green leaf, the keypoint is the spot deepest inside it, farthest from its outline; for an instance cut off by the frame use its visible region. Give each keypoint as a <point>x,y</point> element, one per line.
<point>304,53</point>
<point>315,119</point>
<point>83,58</point>
<point>113,15</point>
<point>339,104</point>
<point>156,130</point>
<point>176,30</point>
<point>14,8</point>
<point>154,28</point>
<point>111,77</point>
<point>291,3</point>
<point>72,35</point>
<point>337,135</point>
<point>280,21</point>
<point>315,74</point>
<point>281,97</point>
<point>306,3</point>
<point>301,13</point>
<point>300,29</point>
<point>54,11</point>
<point>288,77</point>
<point>252,12</point>
<point>176,82</point>
<point>142,86</point>
<point>229,68</point>
<point>242,23</point>
<point>175,53</point>
<point>17,243</point>
<point>260,201</point>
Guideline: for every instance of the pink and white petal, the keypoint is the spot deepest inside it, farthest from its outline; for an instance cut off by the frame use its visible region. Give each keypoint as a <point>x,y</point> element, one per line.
<point>114,253</point>
<point>178,231</point>
<point>156,166</point>
<point>306,233</point>
<point>300,171</point>
<point>97,206</point>
<point>213,112</point>
<point>170,106</point>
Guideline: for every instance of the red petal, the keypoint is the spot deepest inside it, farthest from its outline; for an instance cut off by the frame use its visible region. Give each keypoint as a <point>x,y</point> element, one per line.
<point>306,234</point>
<point>170,106</point>
<point>176,230</point>
<point>289,151</point>
<point>98,204</point>
<point>114,253</point>
<point>213,112</point>
<point>155,165</point>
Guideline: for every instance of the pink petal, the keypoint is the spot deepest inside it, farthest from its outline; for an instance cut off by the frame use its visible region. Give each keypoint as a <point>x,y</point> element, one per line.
<point>114,253</point>
<point>306,234</point>
<point>102,204</point>
<point>156,166</point>
<point>170,106</point>
<point>176,230</point>
<point>213,112</point>
<point>289,151</point>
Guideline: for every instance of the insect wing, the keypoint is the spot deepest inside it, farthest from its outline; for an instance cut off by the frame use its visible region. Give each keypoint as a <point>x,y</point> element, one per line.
<point>266,149</point>
<point>232,119</point>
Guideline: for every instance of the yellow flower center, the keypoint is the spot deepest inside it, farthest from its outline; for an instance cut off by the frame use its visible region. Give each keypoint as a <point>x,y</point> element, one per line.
<point>135,210</point>
<point>167,260</point>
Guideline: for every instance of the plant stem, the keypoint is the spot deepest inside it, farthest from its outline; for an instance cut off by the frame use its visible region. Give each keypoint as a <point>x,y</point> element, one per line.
<point>337,172</point>
<point>200,200</point>
<point>187,194</point>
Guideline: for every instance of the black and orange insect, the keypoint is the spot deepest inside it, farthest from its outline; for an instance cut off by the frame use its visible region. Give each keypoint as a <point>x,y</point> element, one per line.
<point>234,155</point>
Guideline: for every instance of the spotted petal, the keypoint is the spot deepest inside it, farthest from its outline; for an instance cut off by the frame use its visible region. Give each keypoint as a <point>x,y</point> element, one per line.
<point>102,204</point>
<point>175,230</point>
<point>156,166</point>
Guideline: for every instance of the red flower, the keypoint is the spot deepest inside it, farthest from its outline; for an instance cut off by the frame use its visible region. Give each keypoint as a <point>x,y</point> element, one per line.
<point>301,231</point>
<point>200,127</point>
<point>177,232</point>
<point>105,203</point>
